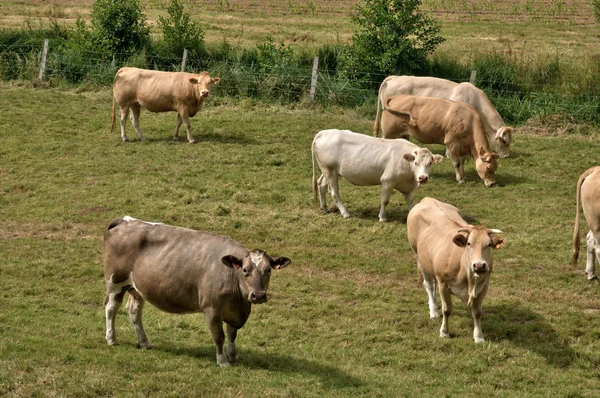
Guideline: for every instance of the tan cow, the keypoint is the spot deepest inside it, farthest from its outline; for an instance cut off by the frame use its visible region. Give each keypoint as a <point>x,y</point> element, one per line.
<point>439,121</point>
<point>454,255</point>
<point>183,271</point>
<point>158,91</point>
<point>497,131</point>
<point>588,198</point>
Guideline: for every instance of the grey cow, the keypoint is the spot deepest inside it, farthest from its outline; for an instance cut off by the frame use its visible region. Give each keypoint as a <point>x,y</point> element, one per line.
<point>180,271</point>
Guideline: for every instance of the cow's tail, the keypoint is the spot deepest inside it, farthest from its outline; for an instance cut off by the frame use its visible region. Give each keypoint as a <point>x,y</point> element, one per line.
<point>314,170</point>
<point>386,108</point>
<point>112,116</point>
<point>576,235</point>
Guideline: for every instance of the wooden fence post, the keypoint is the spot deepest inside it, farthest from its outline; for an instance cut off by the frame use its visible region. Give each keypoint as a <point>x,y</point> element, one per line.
<point>184,60</point>
<point>44,55</point>
<point>313,81</point>
<point>472,78</point>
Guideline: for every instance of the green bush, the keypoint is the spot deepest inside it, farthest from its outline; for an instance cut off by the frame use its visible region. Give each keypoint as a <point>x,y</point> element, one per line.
<point>179,33</point>
<point>119,28</point>
<point>394,38</point>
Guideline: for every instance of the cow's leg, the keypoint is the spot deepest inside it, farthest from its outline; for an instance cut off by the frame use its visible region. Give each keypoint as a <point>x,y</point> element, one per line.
<point>446,298</point>
<point>215,323</point>
<point>429,284</point>
<point>135,120</point>
<point>135,305</point>
<point>123,114</point>
<point>232,354</point>
<point>322,186</point>
<point>177,126</point>
<point>112,303</point>
<point>408,197</point>
<point>476,313</point>
<point>186,122</point>
<point>386,191</point>
<point>332,178</point>
<point>592,254</point>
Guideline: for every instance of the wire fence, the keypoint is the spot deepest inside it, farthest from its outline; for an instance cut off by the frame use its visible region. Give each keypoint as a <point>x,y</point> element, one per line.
<point>290,82</point>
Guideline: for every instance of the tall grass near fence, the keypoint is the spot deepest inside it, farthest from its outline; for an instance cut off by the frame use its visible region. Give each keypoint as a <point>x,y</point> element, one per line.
<point>521,85</point>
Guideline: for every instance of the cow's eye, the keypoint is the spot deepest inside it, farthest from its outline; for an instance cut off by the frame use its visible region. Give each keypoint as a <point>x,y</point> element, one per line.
<point>468,243</point>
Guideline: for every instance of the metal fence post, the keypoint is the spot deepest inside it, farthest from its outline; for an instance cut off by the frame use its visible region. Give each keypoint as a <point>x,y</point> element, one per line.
<point>44,55</point>
<point>313,81</point>
<point>184,60</point>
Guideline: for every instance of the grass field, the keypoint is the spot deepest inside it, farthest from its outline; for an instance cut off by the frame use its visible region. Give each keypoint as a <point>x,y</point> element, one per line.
<point>347,318</point>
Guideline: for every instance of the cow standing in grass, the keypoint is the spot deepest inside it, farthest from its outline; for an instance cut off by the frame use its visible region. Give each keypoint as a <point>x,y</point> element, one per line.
<point>158,91</point>
<point>588,198</point>
<point>454,255</point>
<point>181,271</point>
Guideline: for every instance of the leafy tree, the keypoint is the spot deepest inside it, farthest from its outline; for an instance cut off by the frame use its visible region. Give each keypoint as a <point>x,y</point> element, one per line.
<point>394,38</point>
<point>180,32</point>
<point>119,27</point>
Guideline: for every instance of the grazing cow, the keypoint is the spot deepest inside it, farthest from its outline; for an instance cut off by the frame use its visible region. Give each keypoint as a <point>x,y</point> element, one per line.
<point>496,130</point>
<point>588,198</point>
<point>182,271</point>
<point>453,254</point>
<point>364,160</point>
<point>439,121</point>
<point>158,91</point>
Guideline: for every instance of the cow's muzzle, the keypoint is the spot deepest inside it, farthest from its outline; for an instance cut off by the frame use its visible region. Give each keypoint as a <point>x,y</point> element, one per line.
<point>423,179</point>
<point>258,297</point>
<point>204,93</point>
<point>490,184</point>
<point>480,267</point>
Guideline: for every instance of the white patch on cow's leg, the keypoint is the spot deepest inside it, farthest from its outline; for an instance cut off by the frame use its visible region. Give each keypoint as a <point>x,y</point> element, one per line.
<point>322,186</point>
<point>112,302</point>
<point>445,295</point>
<point>476,313</point>
<point>135,305</point>
<point>135,120</point>
<point>215,323</point>
<point>335,194</point>
<point>593,250</point>
<point>430,288</point>
<point>232,354</point>
<point>386,192</point>
<point>123,114</point>
<point>177,126</point>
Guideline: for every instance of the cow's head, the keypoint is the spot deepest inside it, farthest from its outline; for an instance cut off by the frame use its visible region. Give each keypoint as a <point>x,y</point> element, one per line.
<point>203,81</point>
<point>486,164</point>
<point>503,139</point>
<point>421,160</point>
<point>255,268</point>
<point>478,243</point>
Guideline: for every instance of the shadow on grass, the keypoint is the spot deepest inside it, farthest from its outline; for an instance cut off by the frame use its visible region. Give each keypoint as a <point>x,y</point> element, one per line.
<point>528,330</point>
<point>471,176</point>
<point>331,377</point>
<point>200,137</point>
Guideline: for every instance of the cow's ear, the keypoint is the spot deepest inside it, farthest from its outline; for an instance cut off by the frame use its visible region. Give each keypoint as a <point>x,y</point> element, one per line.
<point>215,80</point>
<point>498,242</point>
<point>280,262</point>
<point>460,240</point>
<point>232,261</point>
<point>437,158</point>
<point>193,80</point>
<point>409,157</point>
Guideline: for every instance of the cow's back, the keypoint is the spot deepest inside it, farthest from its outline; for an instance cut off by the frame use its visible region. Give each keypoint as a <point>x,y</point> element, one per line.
<point>176,269</point>
<point>417,85</point>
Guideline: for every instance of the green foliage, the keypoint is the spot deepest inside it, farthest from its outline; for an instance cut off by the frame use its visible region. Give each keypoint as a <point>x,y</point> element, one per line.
<point>180,32</point>
<point>119,28</point>
<point>394,38</point>
<point>596,5</point>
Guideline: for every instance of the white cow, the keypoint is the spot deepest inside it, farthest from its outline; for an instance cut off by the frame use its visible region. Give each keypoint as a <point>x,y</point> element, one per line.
<point>364,160</point>
<point>496,130</point>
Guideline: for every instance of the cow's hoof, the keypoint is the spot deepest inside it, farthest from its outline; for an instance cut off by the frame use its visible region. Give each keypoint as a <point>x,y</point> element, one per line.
<point>479,340</point>
<point>460,181</point>
<point>232,358</point>
<point>444,335</point>
<point>434,316</point>
<point>125,139</point>
<point>346,215</point>
<point>112,342</point>
<point>192,141</point>
<point>591,277</point>
<point>382,219</point>
<point>175,138</point>
<point>146,346</point>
